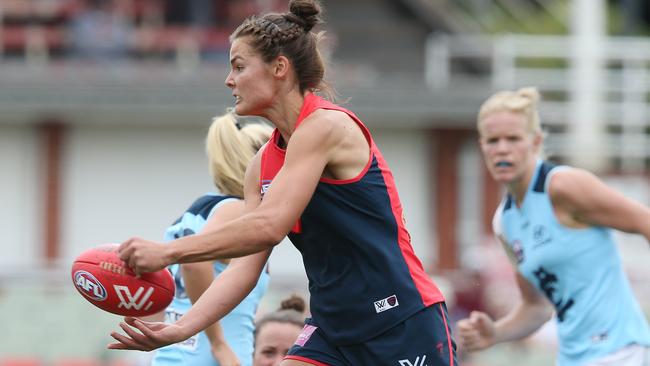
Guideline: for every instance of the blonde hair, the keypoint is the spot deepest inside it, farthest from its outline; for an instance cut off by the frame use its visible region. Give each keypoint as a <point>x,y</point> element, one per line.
<point>523,101</point>
<point>230,145</point>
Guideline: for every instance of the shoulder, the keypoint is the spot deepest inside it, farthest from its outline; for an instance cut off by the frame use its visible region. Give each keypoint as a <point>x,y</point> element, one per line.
<point>327,119</point>
<point>567,182</point>
<point>200,204</point>
<point>193,218</point>
<point>205,205</point>
<point>325,124</point>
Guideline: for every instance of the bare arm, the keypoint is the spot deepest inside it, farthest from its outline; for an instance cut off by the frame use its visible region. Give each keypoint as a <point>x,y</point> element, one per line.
<point>198,277</point>
<point>220,297</point>
<point>479,331</point>
<point>225,292</point>
<point>579,197</point>
<point>265,226</point>
<point>528,315</point>
<point>326,143</point>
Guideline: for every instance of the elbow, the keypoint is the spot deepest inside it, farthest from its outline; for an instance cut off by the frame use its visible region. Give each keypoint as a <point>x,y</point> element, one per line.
<point>269,232</point>
<point>544,313</point>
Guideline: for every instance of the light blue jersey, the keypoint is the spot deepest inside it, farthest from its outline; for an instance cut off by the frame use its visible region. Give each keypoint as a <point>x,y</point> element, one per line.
<point>238,325</point>
<point>578,270</point>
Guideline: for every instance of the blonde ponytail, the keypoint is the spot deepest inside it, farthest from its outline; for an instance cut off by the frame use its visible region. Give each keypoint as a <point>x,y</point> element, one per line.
<point>230,148</point>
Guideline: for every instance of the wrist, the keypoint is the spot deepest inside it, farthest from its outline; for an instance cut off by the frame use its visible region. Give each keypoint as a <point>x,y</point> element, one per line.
<point>171,253</point>
<point>218,344</point>
<point>185,328</point>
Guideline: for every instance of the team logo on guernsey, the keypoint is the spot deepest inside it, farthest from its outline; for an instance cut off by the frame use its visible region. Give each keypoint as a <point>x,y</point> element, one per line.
<point>541,235</point>
<point>89,286</point>
<point>266,183</point>
<point>386,304</point>
<point>418,361</point>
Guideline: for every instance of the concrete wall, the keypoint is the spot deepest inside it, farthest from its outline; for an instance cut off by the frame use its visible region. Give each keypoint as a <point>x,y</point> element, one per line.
<point>120,181</point>
<point>20,212</point>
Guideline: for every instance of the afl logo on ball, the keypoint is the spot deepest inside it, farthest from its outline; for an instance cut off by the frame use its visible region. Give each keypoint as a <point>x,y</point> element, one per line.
<point>88,285</point>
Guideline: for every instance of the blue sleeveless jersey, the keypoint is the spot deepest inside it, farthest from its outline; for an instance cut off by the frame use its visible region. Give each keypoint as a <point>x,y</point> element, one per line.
<point>578,270</point>
<point>364,277</point>
<point>238,325</point>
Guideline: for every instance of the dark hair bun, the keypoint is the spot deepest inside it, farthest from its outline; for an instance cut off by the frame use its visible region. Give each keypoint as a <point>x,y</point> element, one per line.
<point>294,302</point>
<point>306,13</point>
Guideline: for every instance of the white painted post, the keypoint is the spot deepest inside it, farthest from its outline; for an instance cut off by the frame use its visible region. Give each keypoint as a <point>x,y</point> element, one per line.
<point>587,104</point>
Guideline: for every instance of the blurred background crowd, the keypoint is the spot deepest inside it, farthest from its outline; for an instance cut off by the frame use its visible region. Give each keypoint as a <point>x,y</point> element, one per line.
<point>104,105</point>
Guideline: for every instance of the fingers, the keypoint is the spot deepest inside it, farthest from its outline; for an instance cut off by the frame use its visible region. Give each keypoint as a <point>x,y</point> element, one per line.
<point>127,253</point>
<point>468,333</point>
<point>133,340</point>
<point>481,321</point>
<point>465,325</point>
<point>469,340</point>
<point>477,316</point>
<point>142,326</point>
<point>124,343</point>
<point>476,332</point>
<point>139,336</point>
<point>125,249</point>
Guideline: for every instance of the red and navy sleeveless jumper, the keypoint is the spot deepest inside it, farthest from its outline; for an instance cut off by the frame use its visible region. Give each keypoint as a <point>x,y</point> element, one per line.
<point>364,277</point>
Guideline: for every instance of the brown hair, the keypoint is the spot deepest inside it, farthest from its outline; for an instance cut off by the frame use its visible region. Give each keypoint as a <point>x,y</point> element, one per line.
<point>291,311</point>
<point>289,34</point>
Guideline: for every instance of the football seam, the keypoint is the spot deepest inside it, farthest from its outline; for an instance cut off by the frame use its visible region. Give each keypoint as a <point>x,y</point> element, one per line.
<point>171,291</point>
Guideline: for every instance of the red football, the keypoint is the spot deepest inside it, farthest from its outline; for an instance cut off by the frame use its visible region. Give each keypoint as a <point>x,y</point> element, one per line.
<point>108,283</point>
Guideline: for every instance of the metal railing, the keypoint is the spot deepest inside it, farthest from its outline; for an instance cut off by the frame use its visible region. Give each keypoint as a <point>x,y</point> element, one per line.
<point>512,61</point>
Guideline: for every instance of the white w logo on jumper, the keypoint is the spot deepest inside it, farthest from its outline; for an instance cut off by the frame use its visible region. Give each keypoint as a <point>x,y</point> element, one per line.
<point>417,362</point>
<point>136,301</point>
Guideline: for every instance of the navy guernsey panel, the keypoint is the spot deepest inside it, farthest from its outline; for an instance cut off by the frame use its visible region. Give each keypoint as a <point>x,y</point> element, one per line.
<point>363,275</point>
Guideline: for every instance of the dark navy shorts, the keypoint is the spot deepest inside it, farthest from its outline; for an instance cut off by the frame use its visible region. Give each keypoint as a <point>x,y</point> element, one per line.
<point>424,339</point>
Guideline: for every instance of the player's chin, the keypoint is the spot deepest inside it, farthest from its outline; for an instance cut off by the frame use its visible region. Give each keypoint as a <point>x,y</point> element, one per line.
<point>501,175</point>
<point>240,108</point>
<point>247,109</point>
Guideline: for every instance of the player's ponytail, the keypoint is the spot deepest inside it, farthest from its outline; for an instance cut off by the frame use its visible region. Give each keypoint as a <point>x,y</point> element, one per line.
<point>230,145</point>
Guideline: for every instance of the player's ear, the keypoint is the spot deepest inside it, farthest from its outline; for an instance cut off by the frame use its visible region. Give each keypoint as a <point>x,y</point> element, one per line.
<point>281,66</point>
<point>538,140</point>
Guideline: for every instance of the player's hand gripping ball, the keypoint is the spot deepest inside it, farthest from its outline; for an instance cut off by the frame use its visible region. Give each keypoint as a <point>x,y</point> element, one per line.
<point>108,283</point>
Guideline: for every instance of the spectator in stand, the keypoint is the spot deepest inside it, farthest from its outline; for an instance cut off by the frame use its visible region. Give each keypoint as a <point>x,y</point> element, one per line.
<point>194,13</point>
<point>101,30</point>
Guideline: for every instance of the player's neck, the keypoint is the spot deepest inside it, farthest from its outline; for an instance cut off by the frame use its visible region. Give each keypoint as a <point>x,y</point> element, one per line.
<point>519,187</point>
<point>285,114</point>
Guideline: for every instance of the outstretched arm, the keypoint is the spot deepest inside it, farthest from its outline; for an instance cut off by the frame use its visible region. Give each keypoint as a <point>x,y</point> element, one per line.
<point>479,331</point>
<point>283,203</point>
<point>266,223</point>
<point>198,277</point>
<point>225,292</point>
<point>579,197</point>
<point>222,295</point>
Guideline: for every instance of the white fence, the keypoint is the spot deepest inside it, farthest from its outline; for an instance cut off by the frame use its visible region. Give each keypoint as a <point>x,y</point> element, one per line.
<point>512,61</point>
